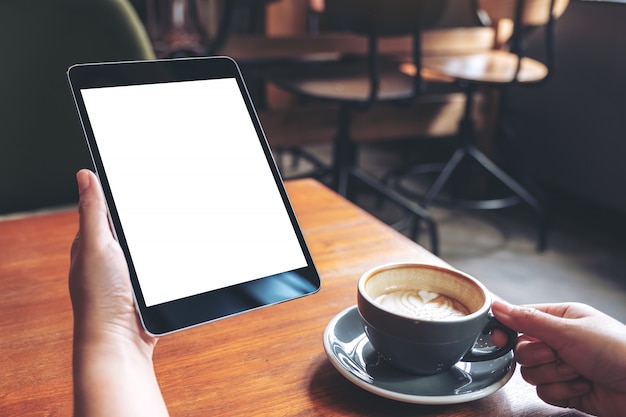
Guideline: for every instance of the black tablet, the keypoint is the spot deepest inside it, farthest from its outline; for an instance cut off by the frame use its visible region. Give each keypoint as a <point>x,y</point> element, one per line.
<point>195,198</point>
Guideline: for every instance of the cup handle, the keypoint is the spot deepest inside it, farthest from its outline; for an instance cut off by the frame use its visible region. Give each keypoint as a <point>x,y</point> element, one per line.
<point>477,354</point>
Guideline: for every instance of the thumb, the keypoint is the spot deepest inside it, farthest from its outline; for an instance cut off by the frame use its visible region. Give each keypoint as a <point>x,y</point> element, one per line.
<point>532,321</point>
<point>93,219</point>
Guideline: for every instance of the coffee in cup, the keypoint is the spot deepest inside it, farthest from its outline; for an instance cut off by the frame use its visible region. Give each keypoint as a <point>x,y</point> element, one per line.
<point>421,304</point>
<point>424,318</point>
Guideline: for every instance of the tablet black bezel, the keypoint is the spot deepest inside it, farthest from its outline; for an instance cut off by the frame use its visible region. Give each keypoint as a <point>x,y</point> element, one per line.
<point>198,309</point>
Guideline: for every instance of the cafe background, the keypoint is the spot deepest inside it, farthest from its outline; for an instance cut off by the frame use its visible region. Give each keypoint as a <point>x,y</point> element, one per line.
<point>573,125</point>
<point>570,129</point>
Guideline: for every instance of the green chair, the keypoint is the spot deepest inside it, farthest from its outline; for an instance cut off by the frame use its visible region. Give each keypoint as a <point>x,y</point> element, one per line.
<point>41,140</point>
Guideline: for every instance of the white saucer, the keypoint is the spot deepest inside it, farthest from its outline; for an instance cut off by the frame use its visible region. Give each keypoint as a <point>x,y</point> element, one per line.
<point>354,357</point>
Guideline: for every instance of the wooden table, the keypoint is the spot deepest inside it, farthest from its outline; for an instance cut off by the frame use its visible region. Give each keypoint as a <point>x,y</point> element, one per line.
<point>269,362</point>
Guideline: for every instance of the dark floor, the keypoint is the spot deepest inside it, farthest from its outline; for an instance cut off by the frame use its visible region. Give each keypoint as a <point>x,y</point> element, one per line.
<point>585,259</point>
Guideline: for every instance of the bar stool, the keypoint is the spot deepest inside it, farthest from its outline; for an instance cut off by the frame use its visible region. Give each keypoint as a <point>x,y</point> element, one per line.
<point>499,69</point>
<point>355,83</point>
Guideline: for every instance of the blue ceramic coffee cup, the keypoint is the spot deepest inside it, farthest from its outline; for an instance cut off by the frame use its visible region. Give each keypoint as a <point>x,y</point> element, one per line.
<point>423,319</point>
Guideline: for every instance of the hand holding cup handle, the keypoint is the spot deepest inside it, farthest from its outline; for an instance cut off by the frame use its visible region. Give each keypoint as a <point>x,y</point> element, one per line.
<point>478,354</point>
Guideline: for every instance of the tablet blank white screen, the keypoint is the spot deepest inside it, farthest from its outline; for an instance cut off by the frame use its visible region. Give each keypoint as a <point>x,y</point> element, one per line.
<point>196,198</point>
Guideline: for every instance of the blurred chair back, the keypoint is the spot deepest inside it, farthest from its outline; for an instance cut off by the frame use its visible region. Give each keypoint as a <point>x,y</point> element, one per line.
<point>383,17</point>
<point>513,19</point>
<point>534,13</point>
<point>41,140</point>
<point>377,19</point>
<point>375,76</point>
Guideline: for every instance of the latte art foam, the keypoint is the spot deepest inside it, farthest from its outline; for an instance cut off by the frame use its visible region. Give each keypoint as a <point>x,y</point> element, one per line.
<point>425,305</point>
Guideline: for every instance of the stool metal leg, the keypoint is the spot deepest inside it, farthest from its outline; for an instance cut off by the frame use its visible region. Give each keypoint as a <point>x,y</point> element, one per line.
<point>467,149</point>
<point>345,168</point>
<point>443,177</point>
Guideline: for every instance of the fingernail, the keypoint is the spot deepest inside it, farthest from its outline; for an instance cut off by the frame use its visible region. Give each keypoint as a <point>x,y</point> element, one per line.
<point>82,179</point>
